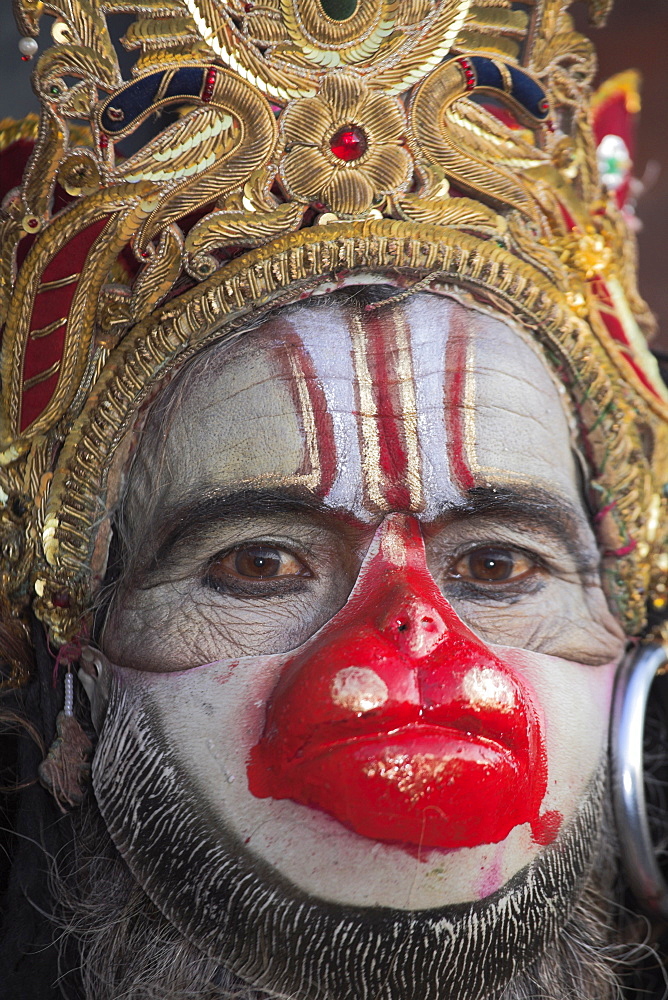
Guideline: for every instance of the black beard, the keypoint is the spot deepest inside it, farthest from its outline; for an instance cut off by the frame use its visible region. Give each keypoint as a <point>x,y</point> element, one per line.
<point>245,917</point>
<point>120,945</point>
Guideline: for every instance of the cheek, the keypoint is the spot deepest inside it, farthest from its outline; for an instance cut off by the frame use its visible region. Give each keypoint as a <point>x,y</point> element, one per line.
<point>182,625</point>
<point>575,702</point>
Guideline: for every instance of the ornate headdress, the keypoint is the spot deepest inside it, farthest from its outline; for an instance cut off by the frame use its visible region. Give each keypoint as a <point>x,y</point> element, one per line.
<point>262,150</point>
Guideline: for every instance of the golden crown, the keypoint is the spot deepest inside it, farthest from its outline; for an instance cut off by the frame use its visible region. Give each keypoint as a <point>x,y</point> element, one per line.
<point>259,149</point>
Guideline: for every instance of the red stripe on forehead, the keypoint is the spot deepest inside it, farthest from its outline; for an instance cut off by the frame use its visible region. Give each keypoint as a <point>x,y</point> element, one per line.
<point>296,366</point>
<point>385,393</point>
<point>383,355</point>
<point>456,354</point>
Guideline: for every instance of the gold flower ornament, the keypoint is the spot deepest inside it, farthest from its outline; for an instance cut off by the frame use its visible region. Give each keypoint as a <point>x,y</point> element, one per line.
<point>344,147</point>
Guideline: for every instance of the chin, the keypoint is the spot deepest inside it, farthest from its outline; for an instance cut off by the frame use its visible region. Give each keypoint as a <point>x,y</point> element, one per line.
<point>246,916</point>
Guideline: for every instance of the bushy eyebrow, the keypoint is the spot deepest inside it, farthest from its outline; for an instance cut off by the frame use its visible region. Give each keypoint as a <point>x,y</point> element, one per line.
<point>195,511</point>
<point>531,503</point>
<point>547,513</point>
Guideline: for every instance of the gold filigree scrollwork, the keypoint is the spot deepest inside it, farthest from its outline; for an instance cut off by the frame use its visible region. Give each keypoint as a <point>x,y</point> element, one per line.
<point>121,210</point>
<point>158,277</point>
<point>85,43</point>
<point>225,40</point>
<point>476,153</point>
<point>248,229</point>
<point>210,151</point>
<point>382,39</point>
<point>460,213</point>
<point>566,63</point>
<point>494,27</point>
<point>328,42</point>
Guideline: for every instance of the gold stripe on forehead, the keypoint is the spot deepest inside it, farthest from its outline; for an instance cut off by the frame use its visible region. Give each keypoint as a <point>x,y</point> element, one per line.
<point>312,479</point>
<point>368,424</point>
<point>406,383</point>
<point>469,428</point>
<point>481,472</point>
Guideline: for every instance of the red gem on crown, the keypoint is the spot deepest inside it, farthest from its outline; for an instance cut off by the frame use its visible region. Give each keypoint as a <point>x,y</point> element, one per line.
<point>209,84</point>
<point>349,143</point>
<point>469,75</point>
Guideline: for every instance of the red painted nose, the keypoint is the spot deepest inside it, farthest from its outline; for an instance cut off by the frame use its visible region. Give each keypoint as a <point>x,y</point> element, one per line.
<point>397,720</point>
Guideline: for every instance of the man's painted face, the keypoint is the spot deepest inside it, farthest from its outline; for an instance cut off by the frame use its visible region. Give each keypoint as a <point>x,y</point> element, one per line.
<point>364,659</point>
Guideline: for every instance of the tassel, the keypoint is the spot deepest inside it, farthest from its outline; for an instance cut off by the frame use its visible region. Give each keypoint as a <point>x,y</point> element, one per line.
<point>65,771</point>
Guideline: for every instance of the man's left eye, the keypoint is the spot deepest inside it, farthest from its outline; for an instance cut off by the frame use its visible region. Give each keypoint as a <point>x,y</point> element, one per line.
<point>493,565</point>
<point>255,562</point>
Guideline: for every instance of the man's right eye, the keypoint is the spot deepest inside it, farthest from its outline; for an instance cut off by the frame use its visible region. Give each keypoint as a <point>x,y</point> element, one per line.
<point>254,563</point>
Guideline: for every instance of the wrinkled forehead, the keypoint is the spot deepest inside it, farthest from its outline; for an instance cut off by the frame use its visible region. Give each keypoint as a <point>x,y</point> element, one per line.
<point>403,407</point>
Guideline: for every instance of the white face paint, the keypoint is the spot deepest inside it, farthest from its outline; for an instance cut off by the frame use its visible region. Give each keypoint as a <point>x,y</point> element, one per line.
<point>284,466</point>
<point>270,443</point>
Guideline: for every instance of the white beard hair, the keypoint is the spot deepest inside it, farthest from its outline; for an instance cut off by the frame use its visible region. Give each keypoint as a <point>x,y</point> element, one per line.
<point>129,950</point>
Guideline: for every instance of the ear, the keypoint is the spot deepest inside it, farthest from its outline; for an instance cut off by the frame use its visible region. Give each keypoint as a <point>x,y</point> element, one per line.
<point>95,676</point>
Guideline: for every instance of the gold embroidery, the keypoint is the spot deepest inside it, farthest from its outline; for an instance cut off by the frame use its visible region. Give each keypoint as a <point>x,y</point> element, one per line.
<point>50,286</point>
<point>29,383</point>
<point>46,330</point>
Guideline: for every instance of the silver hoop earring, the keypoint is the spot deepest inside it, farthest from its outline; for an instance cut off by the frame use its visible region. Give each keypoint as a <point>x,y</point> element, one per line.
<point>632,688</point>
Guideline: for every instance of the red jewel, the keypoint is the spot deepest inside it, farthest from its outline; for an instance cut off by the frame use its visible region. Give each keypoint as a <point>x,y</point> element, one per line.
<point>104,141</point>
<point>26,58</point>
<point>349,143</point>
<point>209,84</point>
<point>61,600</point>
<point>469,75</point>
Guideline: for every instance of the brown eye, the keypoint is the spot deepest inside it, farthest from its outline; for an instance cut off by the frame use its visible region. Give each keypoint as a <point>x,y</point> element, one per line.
<point>490,565</point>
<point>255,562</point>
<point>258,563</point>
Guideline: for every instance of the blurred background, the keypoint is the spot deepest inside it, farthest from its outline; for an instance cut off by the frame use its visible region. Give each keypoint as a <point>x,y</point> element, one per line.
<point>636,37</point>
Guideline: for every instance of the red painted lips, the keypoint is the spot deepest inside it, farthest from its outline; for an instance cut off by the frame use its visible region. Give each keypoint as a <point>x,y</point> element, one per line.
<point>398,721</point>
